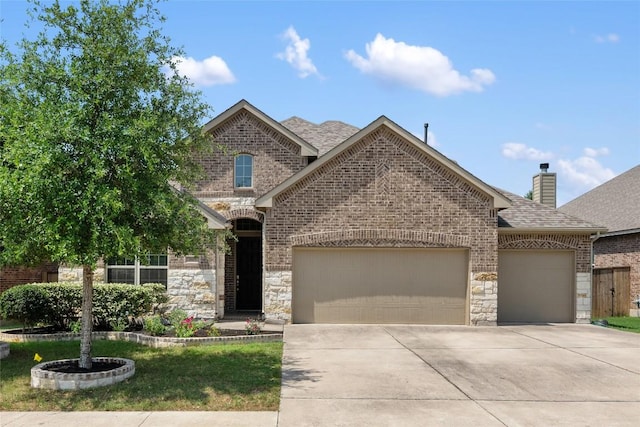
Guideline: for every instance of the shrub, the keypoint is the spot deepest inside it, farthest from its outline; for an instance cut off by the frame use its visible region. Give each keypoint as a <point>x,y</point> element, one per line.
<point>65,300</point>
<point>115,306</point>
<point>154,325</point>
<point>76,326</point>
<point>28,304</point>
<point>176,316</point>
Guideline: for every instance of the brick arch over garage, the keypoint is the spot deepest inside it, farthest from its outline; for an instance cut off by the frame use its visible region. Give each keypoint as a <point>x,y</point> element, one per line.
<point>244,213</point>
<point>520,241</point>
<point>381,237</point>
<point>580,243</point>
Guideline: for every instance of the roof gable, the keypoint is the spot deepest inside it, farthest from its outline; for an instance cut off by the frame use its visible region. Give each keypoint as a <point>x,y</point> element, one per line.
<point>614,204</point>
<point>499,200</point>
<point>306,149</point>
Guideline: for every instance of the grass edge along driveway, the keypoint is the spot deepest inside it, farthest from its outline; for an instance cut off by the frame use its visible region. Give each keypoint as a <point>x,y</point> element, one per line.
<point>230,377</point>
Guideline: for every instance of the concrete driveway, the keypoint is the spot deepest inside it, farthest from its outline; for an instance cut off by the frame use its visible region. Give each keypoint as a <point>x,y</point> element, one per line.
<point>521,375</point>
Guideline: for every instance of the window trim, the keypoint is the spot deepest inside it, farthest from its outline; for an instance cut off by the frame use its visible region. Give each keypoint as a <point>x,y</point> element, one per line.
<point>235,171</point>
<point>137,267</point>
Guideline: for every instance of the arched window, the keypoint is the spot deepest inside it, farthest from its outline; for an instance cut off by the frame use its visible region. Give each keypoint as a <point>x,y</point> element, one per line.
<point>244,171</point>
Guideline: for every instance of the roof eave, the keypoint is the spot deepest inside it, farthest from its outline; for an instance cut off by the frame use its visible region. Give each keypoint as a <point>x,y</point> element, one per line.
<point>620,232</point>
<point>566,230</point>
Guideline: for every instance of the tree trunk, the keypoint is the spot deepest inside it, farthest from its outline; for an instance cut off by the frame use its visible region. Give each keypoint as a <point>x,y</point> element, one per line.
<point>87,317</point>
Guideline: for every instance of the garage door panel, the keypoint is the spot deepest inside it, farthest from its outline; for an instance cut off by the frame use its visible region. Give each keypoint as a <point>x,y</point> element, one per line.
<point>536,286</point>
<point>380,285</point>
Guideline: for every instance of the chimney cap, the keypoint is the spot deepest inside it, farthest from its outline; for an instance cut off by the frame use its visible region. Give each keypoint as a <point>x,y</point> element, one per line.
<point>544,167</point>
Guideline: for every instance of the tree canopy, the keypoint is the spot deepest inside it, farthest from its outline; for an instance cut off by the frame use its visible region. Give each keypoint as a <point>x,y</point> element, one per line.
<point>95,126</point>
<point>94,130</point>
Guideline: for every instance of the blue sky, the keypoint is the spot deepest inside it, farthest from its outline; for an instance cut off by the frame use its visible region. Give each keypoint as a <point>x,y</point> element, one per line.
<point>503,85</point>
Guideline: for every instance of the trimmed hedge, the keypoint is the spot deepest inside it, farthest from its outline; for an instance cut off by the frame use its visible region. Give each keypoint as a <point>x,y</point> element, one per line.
<point>59,304</point>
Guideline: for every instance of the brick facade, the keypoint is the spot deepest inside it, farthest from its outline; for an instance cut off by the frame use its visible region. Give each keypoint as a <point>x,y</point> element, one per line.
<point>620,251</point>
<point>12,276</point>
<point>275,158</point>
<point>411,201</point>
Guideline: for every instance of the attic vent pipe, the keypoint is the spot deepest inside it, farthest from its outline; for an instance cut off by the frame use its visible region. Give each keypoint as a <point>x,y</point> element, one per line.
<point>426,132</point>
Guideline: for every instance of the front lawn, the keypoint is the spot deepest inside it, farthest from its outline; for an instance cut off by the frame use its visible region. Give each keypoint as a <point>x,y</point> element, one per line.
<point>631,324</point>
<point>232,377</point>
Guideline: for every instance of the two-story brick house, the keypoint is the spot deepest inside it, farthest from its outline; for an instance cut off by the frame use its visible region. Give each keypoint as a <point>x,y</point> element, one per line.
<point>340,225</point>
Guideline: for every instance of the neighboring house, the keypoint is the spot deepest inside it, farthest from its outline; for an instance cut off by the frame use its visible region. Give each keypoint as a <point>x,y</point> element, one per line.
<point>615,205</point>
<point>340,225</point>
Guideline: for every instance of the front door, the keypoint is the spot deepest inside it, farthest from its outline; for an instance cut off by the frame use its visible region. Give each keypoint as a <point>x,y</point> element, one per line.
<point>249,273</point>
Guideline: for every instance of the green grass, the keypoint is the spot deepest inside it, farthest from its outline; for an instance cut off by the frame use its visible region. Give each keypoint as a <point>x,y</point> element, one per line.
<point>631,324</point>
<point>9,324</point>
<point>233,377</point>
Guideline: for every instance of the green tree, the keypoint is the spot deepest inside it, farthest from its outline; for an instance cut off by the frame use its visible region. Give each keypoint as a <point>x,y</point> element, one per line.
<point>529,195</point>
<point>95,126</point>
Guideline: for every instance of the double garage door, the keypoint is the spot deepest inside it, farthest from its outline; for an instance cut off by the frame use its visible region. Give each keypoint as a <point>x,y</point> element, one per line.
<point>380,285</point>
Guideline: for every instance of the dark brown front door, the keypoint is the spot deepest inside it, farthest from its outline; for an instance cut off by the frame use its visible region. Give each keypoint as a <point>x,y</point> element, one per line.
<point>249,273</point>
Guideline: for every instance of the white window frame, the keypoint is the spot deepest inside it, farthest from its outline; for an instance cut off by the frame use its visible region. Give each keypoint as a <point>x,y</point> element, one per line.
<point>137,267</point>
<point>235,171</point>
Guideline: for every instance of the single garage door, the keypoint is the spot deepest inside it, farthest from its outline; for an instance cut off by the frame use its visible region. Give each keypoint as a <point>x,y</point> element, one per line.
<point>380,285</point>
<point>536,286</point>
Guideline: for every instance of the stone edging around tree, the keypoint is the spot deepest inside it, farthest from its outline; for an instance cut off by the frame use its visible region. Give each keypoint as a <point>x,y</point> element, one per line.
<point>43,378</point>
<point>148,340</point>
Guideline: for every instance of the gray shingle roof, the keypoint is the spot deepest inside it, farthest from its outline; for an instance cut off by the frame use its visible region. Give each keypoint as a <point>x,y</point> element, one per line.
<point>324,136</point>
<point>526,214</point>
<point>614,204</point>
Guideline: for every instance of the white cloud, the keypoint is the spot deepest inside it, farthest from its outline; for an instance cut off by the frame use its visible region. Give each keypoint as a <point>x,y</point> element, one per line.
<point>208,72</point>
<point>609,38</point>
<point>575,176</point>
<point>418,67</point>
<point>596,152</point>
<point>518,151</point>
<point>296,53</point>
<point>584,173</point>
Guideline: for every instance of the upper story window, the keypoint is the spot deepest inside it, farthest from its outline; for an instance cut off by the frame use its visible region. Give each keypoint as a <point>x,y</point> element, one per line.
<point>154,269</point>
<point>244,171</point>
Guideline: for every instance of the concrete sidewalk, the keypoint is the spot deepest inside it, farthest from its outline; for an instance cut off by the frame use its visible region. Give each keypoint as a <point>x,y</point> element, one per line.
<point>138,419</point>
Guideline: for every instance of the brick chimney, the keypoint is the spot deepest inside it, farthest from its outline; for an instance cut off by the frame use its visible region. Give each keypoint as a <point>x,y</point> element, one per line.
<point>544,186</point>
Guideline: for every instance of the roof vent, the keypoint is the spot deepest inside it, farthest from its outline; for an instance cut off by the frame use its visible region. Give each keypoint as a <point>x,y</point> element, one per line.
<point>544,167</point>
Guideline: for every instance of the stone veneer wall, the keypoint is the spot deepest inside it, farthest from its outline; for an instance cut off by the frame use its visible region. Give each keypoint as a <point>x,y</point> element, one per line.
<point>580,243</point>
<point>621,251</point>
<point>193,291</point>
<point>484,299</point>
<point>583,297</point>
<point>277,295</point>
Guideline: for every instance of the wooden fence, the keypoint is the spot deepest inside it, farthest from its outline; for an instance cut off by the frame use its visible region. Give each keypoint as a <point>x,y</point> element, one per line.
<point>610,292</point>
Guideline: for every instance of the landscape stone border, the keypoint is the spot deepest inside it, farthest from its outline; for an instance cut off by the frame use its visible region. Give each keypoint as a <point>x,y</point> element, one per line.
<point>43,378</point>
<point>148,340</point>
